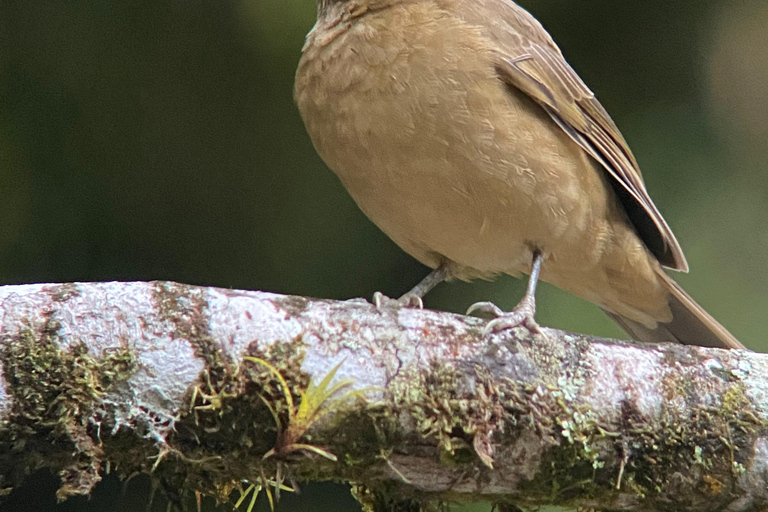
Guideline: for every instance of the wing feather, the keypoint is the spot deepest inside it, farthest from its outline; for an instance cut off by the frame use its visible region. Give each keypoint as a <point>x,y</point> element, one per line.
<point>538,69</point>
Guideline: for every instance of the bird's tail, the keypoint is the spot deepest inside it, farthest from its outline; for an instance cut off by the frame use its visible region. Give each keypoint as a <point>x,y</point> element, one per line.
<point>690,324</point>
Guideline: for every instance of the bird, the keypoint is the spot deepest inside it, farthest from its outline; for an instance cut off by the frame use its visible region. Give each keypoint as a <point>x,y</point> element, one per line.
<point>460,130</point>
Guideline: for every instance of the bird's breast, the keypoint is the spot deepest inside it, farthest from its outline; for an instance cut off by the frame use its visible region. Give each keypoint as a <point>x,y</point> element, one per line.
<point>408,111</point>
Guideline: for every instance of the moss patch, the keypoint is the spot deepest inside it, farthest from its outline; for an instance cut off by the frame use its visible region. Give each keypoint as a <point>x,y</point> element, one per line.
<point>461,414</point>
<point>56,403</point>
<point>219,441</point>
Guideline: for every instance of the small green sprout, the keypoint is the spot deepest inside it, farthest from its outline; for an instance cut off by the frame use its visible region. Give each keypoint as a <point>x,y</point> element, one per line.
<point>313,406</point>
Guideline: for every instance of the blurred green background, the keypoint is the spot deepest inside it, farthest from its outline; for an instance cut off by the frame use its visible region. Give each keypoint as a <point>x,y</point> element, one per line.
<point>159,140</point>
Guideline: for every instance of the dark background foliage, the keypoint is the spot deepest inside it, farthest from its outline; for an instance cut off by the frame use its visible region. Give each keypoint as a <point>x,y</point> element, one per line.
<point>158,139</point>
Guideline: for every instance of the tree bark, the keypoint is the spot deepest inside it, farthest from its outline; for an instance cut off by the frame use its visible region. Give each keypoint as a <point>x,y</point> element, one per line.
<point>210,390</point>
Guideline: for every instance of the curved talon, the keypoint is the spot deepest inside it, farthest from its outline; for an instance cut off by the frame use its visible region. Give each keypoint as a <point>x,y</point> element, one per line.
<point>521,316</point>
<point>533,326</point>
<point>489,308</point>
<point>412,299</point>
<point>378,299</point>
<point>408,300</point>
<point>515,318</point>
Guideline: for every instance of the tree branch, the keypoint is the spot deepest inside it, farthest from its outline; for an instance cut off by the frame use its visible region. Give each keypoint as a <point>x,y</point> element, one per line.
<point>209,390</point>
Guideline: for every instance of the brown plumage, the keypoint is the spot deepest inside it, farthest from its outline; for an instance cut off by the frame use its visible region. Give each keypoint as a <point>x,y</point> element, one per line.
<point>460,130</point>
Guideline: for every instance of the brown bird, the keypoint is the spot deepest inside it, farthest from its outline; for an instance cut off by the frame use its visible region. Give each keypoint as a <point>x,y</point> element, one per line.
<point>461,131</point>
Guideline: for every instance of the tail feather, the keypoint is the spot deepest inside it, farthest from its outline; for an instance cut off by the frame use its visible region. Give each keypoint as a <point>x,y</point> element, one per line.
<point>690,324</point>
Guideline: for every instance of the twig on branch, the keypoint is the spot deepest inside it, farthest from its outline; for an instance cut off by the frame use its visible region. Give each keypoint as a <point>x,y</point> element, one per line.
<point>212,390</point>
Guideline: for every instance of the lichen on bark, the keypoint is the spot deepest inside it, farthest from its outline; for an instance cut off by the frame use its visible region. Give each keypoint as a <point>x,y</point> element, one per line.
<point>195,391</point>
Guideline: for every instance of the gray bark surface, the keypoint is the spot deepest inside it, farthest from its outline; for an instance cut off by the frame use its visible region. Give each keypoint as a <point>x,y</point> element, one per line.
<point>189,384</point>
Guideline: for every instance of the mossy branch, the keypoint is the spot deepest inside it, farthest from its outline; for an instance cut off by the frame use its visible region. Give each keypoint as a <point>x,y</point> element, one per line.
<point>212,390</point>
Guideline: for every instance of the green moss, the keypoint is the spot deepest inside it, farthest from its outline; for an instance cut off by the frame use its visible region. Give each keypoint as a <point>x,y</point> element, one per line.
<point>584,459</point>
<point>387,497</point>
<point>219,442</point>
<point>56,394</point>
<point>464,412</point>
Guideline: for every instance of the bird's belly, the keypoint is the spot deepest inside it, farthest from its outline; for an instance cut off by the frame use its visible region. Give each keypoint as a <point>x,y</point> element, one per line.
<point>483,207</point>
<point>436,218</point>
<point>454,165</point>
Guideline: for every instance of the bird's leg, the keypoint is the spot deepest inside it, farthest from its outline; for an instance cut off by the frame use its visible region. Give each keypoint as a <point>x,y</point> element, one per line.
<point>524,312</point>
<point>426,285</point>
<point>413,298</point>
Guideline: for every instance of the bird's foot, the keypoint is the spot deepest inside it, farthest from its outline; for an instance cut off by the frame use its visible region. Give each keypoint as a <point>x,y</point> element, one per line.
<point>521,316</point>
<point>409,300</point>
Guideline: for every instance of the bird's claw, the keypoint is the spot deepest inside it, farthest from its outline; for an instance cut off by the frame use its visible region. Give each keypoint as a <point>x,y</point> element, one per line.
<point>488,308</point>
<point>521,316</point>
<point>408,300</point>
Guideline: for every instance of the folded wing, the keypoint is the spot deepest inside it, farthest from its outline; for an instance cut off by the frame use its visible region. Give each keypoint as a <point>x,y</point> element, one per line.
<point>538,69</point>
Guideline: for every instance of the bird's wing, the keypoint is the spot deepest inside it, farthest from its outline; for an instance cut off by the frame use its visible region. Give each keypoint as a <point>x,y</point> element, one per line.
<point>535,66</point>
